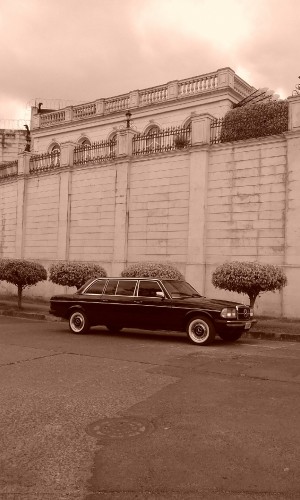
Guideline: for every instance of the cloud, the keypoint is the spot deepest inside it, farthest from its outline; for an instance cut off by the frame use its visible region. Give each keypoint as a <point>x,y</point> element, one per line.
<point>64,49</point>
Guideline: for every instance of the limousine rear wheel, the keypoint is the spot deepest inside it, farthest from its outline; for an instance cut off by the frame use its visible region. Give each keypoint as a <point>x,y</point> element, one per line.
<point>78,322</point>
<point>200,330</point>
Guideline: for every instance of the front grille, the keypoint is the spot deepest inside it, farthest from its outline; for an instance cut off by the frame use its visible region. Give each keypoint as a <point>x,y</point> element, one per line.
<point>243,312</point>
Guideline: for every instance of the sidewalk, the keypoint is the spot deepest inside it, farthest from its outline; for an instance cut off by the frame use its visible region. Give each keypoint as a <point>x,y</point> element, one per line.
<point>265,328</point>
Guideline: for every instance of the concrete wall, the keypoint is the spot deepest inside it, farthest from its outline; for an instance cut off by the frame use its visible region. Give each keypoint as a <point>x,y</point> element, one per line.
<point>196,208</point>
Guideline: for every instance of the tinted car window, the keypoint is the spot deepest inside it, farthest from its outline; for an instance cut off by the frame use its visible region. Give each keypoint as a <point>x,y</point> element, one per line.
<point>96,287</point>
<point>180,289</point>
<point>148,289</point>
<point>111,287</point>
<point>126,287</point>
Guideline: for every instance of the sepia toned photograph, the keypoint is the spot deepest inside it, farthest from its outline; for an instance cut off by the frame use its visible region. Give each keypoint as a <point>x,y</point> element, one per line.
<point>149,250</point>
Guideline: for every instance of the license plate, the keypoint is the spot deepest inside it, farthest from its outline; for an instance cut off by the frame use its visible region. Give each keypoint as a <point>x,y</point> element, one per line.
<point>247,325</point>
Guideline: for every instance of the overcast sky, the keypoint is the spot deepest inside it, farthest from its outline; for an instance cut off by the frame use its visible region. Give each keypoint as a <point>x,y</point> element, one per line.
<point>83,50</point>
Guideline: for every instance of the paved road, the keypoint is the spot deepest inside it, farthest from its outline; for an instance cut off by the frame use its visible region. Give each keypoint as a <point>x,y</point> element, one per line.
<point>139,415</point>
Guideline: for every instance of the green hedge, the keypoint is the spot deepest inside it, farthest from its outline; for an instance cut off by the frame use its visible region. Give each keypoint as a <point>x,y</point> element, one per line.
<point>255,120</point>
<point>152,270</point>
<point>249,278</point>
<point>21,273</point>
<point>74,273</point>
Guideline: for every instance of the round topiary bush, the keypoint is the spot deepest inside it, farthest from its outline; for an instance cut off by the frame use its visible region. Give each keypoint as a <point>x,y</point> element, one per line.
<point>21,273</point>
<point>74,273</point>
<point>152,270</point>
<point>249,278</point>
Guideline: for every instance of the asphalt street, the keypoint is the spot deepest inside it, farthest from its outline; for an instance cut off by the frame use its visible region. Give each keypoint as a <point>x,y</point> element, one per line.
<point>139,415</point>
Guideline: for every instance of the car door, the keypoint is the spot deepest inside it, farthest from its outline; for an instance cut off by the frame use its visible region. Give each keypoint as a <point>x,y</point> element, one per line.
<point>152,306</point>
<point>91,301</point>
<point>119,300</point>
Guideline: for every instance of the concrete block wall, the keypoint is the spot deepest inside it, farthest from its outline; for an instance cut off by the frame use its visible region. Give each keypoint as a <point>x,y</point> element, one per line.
<point>247,208</point>
<point>159,209</point>
<point>40,238</point>
<point>8,218</point>
<point>196,208</point>
<point>92,214</point>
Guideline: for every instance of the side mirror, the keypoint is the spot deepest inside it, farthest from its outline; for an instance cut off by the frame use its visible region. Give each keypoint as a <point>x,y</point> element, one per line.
<point>160,294</point>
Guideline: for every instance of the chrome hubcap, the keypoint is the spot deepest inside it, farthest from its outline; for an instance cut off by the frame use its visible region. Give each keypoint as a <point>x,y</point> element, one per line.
<point>77,322</point>
<point>199,331</point>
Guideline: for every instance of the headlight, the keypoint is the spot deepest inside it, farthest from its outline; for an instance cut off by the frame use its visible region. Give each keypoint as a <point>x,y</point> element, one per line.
<point>228,312</point>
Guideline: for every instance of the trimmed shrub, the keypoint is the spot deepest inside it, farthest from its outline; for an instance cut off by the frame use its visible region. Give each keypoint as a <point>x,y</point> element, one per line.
<point>255,120</point>
<point>21,273</point>
<point>74,273</point>
<point>152,270</point>
<point>249,278</point>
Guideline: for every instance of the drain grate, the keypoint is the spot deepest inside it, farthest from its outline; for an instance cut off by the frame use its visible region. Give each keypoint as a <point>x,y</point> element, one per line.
<point>119,428</point>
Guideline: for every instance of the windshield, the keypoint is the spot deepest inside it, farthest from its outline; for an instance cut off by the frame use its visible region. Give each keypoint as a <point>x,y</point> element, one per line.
<point>180,289</point>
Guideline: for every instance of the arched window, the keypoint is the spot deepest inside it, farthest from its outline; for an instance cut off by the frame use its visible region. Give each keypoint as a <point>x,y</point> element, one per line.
<point>85,142</point>
<point>153,139</point>
<point>112,145</point>
<point>84,150</point>
<point>54,151</point>
<point>54,148</point>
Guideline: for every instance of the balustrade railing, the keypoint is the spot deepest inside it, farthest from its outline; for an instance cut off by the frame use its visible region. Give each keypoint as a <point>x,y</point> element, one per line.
<point>153,95</point>
<point>179,89</point>
<point>8,169</point>
<point>198,84</point>
<point>168,139</point>
<point>84,111</point>
<point>52,118</point>
<point>119,103</point>
<point>44,162</point>
<point>95,152</point>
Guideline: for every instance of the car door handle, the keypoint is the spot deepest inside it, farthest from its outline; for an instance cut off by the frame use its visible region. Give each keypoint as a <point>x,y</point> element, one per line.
<point>137,301</point>
<point>104,300</point>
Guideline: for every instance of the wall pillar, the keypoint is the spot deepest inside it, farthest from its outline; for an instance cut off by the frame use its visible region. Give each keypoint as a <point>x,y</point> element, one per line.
<point>67,154</point>
<point>225,78</point>
<point>121,217</point>
<point>134,99</point>
<point>125,137</point>
<point>195,268</point>
<point>63,234</point>
<point>21,209</point>
<point>201,129</point>
<point>173,88</point>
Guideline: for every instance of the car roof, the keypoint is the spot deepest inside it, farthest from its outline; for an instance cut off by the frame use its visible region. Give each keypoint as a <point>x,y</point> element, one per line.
<point>136,278</point>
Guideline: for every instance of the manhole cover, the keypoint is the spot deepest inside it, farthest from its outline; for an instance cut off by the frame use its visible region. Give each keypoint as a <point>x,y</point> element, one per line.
<point>119,428</point>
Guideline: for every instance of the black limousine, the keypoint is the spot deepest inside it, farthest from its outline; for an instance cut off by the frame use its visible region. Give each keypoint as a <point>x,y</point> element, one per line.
<point>152,304</point>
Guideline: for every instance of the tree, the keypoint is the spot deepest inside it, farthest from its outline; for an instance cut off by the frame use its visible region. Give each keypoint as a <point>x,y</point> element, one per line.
<point>22,273</point>
<point>152,270</point>
<point>249,278</point>
<point>74,273</point>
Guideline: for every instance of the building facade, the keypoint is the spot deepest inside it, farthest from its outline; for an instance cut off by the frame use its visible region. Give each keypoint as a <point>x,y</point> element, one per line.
<point>141,177</point>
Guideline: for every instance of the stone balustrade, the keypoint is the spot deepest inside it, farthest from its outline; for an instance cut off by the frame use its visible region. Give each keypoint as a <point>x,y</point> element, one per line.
<point>175,90</point>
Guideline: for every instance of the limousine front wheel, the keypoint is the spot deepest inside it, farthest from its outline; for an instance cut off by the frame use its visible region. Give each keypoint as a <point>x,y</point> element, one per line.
<point>200,331</point>
<point>78,322</point>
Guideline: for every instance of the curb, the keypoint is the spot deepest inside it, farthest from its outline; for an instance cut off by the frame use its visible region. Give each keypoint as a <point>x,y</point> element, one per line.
<point>27,315</point>
<point>290,337</point>
<point>258,335</point>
